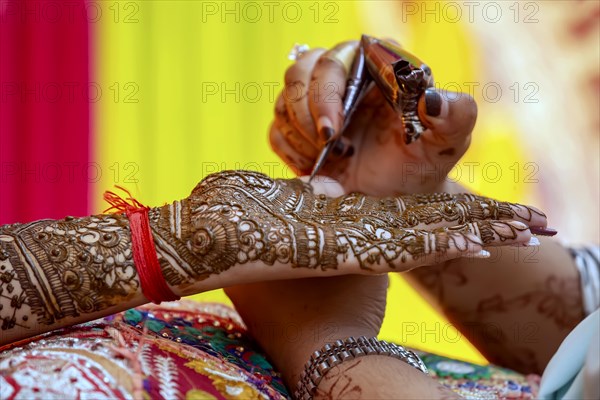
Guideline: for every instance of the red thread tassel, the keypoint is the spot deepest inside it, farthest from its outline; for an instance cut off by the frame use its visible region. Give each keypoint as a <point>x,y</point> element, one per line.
<point>152,281</point>
<point>118,203</point>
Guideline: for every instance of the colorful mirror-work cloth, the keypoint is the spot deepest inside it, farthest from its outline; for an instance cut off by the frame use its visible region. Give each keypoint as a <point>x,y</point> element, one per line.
<point>474,381</point>
<point>179,350</point>
<point>187,350</point>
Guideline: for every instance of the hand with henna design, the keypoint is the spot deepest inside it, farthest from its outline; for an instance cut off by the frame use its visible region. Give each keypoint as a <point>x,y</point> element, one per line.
<point>327,309</point>
<point>237,227</point>
<point>285,222</point>
<point>372,156</point>
<point>383,165</point>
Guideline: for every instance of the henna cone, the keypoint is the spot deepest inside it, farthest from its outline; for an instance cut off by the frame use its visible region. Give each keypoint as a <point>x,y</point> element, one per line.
<point>401,77</point>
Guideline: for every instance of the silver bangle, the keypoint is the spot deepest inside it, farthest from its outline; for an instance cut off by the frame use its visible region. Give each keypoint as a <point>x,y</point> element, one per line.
<point>336,353</point>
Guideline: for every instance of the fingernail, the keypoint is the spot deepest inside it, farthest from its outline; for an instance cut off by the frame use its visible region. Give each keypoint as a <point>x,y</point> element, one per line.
<point>350,151</point>
<point>342,149</point>
<point>481,254</point>
<point>433,102</point>
<point>533,242</point>
<point>338,148</point>
<point>325,128</point>
<point>326,133</point>
<point>538,230</point>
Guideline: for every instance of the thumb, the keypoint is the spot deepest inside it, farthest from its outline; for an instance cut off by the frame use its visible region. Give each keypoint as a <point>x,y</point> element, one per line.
<point>450,116</point>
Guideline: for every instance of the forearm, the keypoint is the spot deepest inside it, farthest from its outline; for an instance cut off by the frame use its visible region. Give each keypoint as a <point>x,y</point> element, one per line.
<point>59,273</point>
<point>516,307</point>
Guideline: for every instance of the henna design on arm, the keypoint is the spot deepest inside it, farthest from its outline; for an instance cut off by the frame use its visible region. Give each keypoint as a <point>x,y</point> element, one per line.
<point>557,300</point>
<point>341,383</point>
<point>366,378</point>
<point>51,270</point>
<point>55,273</point>
<point>519,321</point>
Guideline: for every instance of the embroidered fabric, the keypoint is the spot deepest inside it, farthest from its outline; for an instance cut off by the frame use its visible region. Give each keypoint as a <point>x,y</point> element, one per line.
<point>178,350</point>
<point>473,381</point>
<point>188,350</point>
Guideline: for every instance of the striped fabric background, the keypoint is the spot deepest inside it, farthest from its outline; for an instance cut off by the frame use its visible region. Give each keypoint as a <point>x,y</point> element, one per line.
<point>154,95</point>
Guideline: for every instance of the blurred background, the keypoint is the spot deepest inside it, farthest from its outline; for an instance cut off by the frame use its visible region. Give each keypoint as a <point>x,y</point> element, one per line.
<point>155,95</point>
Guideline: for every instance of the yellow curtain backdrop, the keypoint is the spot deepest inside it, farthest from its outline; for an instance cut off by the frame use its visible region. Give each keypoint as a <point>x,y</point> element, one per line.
<point>188,88</point>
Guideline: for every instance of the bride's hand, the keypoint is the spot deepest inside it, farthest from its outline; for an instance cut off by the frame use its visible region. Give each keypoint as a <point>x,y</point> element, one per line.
<point>240,226</point>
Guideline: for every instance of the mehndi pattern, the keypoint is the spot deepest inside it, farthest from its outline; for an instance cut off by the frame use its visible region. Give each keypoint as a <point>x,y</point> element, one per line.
<point>75,266</point>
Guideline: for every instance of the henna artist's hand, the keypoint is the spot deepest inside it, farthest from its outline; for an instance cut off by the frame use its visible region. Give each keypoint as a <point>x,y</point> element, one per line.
<point>375,159</point>
<point>383,165</point>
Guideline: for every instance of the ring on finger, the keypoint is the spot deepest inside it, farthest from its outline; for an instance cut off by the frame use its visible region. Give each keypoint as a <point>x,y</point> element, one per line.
<point>343,54</point>
<point>298,51</point>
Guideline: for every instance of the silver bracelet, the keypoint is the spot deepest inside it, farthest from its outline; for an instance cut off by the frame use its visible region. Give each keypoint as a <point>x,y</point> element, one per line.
<point>336,353</point>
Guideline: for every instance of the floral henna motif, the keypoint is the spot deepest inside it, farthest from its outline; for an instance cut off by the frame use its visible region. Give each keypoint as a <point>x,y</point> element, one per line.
<point>57,269</point>
<point>558,300</point>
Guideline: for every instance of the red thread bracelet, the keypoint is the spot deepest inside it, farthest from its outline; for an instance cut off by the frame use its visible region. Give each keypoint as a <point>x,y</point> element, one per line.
<point>152,281</point>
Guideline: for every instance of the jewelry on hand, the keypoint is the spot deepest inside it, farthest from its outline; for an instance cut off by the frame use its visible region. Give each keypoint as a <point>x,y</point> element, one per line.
<point>298,51</point>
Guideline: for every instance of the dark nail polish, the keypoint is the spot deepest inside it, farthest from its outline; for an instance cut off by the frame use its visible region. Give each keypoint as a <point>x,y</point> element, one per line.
<point>433,102</point>
<point>342,148</point>
<point>338,148</point>
<point>326,133</point>
<point>350,151</point>
<point>537,230</point>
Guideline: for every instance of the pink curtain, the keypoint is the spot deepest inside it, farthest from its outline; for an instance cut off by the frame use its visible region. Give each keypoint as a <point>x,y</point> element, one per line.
<point>45,171</point>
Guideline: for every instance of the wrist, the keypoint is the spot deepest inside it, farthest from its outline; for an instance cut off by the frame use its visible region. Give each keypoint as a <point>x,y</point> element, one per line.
<point>166,244</point>
<point>292,356</point>
<point>341,353</point>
